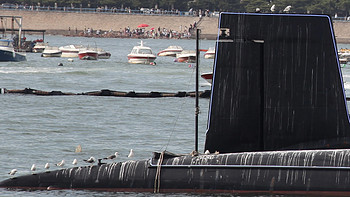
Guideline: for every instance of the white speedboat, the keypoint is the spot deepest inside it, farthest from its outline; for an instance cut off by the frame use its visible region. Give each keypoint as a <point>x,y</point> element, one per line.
<point>170,51</point>
<point>70,50</point>
<point>88,54</point>
<point>8,53</point>
<point>210,54</point>
<point>40,47</point>
<point>141,55</point>
<point>186,56</point>
<point>51,52</point>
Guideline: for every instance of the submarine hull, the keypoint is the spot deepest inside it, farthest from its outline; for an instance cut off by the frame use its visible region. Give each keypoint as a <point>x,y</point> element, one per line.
<point>303,172</point>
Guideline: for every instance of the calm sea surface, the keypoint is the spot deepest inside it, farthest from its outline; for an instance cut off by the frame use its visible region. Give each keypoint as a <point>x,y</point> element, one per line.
<point>41,129</point>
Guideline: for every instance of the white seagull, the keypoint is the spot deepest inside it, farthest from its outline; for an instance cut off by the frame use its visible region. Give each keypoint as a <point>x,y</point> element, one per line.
<point>47,166</point>
<point>33,168</point>
<point>75,162</point>
<point>116,154</point>
<point>287,9</point>
<point>13,172</point>
<point>90,160</point>
<point>60,164</point>
<point>131,154</point>
<point>207,152</point>
<point>273,7</point>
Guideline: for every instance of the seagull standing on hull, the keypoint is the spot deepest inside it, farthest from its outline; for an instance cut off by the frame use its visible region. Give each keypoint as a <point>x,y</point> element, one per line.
<point>13,172</point>
<point>112,156</point>
<point>33,168</point>
<point>60,164</point>
<point>90,160</point>
<point>47,166</point>
<point>131,154</point>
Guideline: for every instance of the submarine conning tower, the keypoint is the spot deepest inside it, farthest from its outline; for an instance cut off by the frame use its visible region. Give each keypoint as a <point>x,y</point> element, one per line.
<point>277,85</point>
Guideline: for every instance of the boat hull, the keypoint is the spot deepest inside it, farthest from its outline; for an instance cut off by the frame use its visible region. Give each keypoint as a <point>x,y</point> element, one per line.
<point>56,54</point>
<point>69,54</point>
<point>10,56</point>
<point>88,56</point>
<point>190,59</point>
<point>140,60</point>
<point>283,172</point>
<point>169,53</point>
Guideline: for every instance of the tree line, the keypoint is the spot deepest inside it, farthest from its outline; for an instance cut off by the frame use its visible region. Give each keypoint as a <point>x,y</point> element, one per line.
<point>331,7</point>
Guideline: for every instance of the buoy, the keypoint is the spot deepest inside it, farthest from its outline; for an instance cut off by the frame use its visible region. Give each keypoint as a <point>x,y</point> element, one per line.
<point>60,64</point>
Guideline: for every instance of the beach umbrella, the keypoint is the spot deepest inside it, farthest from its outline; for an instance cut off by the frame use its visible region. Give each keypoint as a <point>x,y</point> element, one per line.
<point>142,25</point>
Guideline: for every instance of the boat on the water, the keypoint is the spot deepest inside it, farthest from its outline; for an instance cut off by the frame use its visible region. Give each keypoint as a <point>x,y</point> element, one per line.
<point>210,53</point>
<point>39,47</point>
<point>186,56</point>
<point>8,53</point>
<point>141,55</point>
<point>71,50</point>
<point>171,51</point>
<point>102,54</point>
<point>278,121</point>
<point>51,51</point>
<point>88,54</point>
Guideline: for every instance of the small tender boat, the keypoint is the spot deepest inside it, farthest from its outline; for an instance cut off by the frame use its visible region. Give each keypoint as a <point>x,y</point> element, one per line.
<point>8,53</point>
<point>186,56</point>
<point>141,55</point>
<point>208,77</point>
<point>88,54</point>
<point>210,54</point>
<point>102,54</point>
<point>51,52</point>
<point>70,50</point>
<point>40,47</point>
<point>170,51</point>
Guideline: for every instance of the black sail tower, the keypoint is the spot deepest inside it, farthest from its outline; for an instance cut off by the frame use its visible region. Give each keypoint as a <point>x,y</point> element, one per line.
<point>277,85</point>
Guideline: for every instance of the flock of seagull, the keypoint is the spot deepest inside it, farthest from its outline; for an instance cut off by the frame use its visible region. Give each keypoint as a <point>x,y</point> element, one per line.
<point>91,160</point>
<point>273,8</point>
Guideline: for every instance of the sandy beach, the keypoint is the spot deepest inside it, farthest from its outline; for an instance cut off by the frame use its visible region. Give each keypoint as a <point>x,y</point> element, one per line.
<point>71,23</point>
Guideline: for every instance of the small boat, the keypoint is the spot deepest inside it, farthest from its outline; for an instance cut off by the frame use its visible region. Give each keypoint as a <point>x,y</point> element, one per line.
<point>51,52</point>
<point>70,50</point>
<point>40,47</point>
<point>102,54</point>
<point>186,56</point>
<point>8,53</point>
<point>88,54</point>
<point>208,77</point>
<point>210,54</point>
<point>170,51</point>
<point>141,55</point>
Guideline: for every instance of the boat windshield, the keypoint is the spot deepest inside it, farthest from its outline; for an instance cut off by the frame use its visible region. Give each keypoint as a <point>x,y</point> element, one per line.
<point>5,43</point>
<point>145,51</point>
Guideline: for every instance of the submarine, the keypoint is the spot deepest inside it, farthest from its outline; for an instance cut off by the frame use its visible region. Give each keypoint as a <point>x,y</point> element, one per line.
<point>278,121</point>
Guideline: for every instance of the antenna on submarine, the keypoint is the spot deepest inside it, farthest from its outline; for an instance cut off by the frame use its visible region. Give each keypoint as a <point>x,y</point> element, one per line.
<point>197,93</point>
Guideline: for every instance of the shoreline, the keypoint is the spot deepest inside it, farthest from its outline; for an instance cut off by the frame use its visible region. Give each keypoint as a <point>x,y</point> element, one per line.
<point>74,23</point>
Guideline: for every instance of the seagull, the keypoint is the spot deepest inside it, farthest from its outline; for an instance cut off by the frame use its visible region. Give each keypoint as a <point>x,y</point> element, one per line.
<point>287,9</point>
<point>47,166</point>
<point>13,172</point>
<point>112,156</point>
<point>33,168</point>
<point>131,154</point>
<point>90,160</point>
<point>207,152</point>
<point>75,162</point>
<point>257,10</point>
<point>273,7</point>
<point>78,149</point>
<point>60,164</point>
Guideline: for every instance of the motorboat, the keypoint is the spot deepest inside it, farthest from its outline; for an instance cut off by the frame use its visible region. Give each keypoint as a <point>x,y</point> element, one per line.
<point>88,54</point>
<point>70,50</point>
<point>170,51</point>
<point>8,53</point>
<point>210,53</point>
<point>40,47</point>
<point>102,54</point>
<point>208,77</point>
<point>51,52</point>
<point>186,56</point>
<point>141,55</point>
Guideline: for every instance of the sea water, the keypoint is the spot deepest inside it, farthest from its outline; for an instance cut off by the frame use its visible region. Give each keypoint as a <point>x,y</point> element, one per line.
<point>47,129</point>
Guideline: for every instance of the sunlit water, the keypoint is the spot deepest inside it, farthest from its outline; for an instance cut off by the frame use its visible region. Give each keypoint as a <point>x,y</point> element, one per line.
<point>41,129</point>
